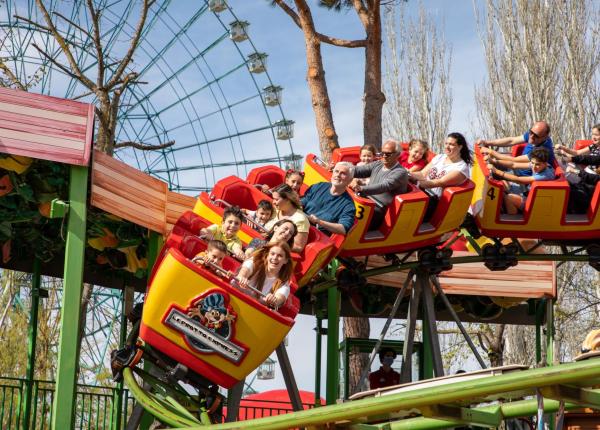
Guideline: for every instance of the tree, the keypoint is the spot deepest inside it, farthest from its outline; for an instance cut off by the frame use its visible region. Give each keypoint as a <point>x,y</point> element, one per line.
<point>108,81</point>
<point>535,72</point>
<point>416,83</point>
<point>369,14</point>
<point>543,63</point>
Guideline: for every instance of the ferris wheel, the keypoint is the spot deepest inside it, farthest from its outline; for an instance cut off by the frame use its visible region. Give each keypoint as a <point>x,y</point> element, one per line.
<point>202,85</point>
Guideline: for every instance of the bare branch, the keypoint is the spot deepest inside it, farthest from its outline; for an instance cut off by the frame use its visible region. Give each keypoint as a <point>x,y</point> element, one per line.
<point>344,43</point>
<point>144,147</point>
<point>362,12</point>
<point>83,30</point>
<point>64,47</point>
<point>11,76</point>
<point>56,63</point>
<point>134,42</point>
<point>97,43</point>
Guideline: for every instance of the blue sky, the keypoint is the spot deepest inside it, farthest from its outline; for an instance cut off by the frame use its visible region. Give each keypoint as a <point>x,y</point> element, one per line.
<point>273,32</point>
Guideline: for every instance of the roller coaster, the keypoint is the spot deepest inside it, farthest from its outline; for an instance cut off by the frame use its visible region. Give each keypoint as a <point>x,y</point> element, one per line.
<point>199,328</point>
<point>196,353</point>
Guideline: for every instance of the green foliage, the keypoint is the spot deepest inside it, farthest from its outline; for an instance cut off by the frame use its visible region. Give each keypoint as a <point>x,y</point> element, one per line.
<point>24,220</point>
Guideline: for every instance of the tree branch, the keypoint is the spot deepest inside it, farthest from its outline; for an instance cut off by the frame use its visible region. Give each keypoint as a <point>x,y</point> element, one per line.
<point>344,43</point>
<point>362,12</point>
<point>97,43</point>
<point>56,63</point>
<point>144,147</point>
<point>134,42</point>
<point>11,76</point>
<point>64,47</point>
<point>83,30</point>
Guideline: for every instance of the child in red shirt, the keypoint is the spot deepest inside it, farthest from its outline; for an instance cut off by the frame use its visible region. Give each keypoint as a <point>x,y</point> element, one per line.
<point>415,158</point>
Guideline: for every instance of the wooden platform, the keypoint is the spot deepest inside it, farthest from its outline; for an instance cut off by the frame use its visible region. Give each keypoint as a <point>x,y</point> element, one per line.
<point>125,191</point>
<point>526,280</point>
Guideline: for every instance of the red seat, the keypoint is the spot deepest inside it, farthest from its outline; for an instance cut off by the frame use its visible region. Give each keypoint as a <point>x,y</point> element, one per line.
<point>266,175</point>
<point>235,191</point>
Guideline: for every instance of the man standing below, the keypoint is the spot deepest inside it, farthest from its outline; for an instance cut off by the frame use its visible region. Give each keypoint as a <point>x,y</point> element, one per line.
<point>537,136</point>
<point>387,179</point>
<point>385,376</point>
<point>328,205</point>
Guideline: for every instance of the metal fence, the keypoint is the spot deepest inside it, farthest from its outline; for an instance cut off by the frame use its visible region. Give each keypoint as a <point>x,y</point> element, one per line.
<point>95,406</point>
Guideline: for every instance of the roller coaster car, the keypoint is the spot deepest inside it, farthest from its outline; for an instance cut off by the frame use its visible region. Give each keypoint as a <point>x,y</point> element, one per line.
<point>352,154</point>
<point>544,215</point>
<point>319,250</point>
<point>402,228</point>
<point>196,317</point>
<point>269,175</point>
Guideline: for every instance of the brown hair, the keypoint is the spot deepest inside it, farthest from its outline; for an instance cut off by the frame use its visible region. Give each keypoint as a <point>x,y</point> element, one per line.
<point>596,126</point>
<point>259,259</point>
<point>217,244</point>
<point>286,192</point>
<point>424,144</point>
<point>282,221</point>
<point>369,148</point>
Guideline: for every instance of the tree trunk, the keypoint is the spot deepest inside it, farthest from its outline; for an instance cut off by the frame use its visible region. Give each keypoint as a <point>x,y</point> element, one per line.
<point>315,76</point>
<point>373,96</point>
<point>360,328</point>
<point>496,347</point>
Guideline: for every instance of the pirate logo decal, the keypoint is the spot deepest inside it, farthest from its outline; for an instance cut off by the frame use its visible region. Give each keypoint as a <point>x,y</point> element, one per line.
<point>208,325</point>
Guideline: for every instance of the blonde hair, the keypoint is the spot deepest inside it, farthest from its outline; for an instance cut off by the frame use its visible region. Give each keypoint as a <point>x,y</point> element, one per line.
<point>424,144</point>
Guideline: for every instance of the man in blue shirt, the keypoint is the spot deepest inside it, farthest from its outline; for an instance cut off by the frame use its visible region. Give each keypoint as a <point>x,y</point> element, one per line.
<point>328,205</point>
<point>537,136</point>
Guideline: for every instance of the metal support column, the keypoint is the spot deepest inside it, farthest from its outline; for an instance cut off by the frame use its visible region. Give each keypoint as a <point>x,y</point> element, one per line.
<point>427,356</point>
<point>333,339</point>
<point>118,393</point>
<point>549,332</point>
<point>409,333</point>
<point>31,344</point>
<point>539,315</point>
<point>63,408</point>
<point>234,397</point>
<point>155,241</point>
<point>288,377</point>
<point>319,329</point>
<point>550,346</point>
<point>429,320</point>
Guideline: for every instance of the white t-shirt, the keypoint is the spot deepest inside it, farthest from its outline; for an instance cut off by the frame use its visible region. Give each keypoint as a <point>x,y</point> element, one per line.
<point>439,169</point>
<point>284,289</point>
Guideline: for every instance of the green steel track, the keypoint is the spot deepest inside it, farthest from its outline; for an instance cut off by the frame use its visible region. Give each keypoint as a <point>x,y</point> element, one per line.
<point>437,407</point>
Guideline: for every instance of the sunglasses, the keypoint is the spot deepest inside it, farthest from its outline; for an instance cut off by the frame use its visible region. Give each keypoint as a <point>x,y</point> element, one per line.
<point>534,134</point>
<point>386,154</point>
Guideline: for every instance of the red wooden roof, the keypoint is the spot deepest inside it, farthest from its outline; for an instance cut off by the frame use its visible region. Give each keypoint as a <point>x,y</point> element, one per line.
<point>45,127</point>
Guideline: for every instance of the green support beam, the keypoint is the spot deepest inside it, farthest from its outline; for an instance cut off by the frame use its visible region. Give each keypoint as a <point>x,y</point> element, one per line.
<point>581,396</point>
<point>523,383</point>
<point>522,408</point>
<point>319,330</point>
<point>427,352</point>
<point>117,405</point>
<point>32,341</point>
<point>155,243</point>
<point>63,408</point>
<point>466,416</point>
<point>549,332</point>
<point>333,354</point>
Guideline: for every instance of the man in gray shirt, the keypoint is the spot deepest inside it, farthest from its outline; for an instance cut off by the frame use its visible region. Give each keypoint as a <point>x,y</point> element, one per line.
<point>387,179</point>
